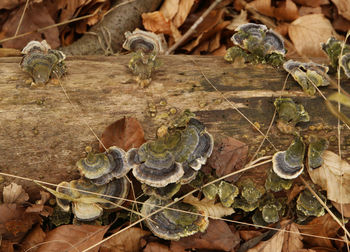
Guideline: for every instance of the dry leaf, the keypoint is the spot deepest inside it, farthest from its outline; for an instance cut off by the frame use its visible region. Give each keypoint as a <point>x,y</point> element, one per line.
<point>14,193</point>
<point>281,241</point>
<point>282,29</point>
<point>228,156</point>
<point>249,234</point>
<point>344,207</point>
<point>35,236</point>
<point>238,20</point>
<point>343,7</point>
<point>295,192</point>
<point>156,247</point>
<point>125,133</point>
<point>208,207</point>
<point>156,22</point>
<point>36,16</point>
<point>184,9</point>
<point>308,32</point>
<point>324,226</point>
<point>311,3</point>
<point>286,10</point>
<point>10,4</point>
<point>262,6</point>
<point>169,8</point>
<point>341,24</point>
<point>127,241</point>
<point>334,177</point>
<point>303,11</point>
<point>221,51</point>
<point>72,238</point>
<point>217,237</point>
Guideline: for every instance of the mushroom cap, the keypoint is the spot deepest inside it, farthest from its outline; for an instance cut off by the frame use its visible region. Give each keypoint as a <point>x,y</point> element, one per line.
<point>86,212</point>
<point>251,191</point>
<point>189,174</point>
<point>276,183</point>
<point>171,224</point>
<point>289,164</point>
<point>290,112</point>
<point>166,192</point>
<point>345,64</point>
<point>227,193</point>
<point>249,30</point>
<point>314,155</point>
<point>291,66</point>
<point>62,203</point>
<point>273,43</point>
<point>145,41</point>
<point>270,213</point>
<point>309,205</point>
<point>36,46</point>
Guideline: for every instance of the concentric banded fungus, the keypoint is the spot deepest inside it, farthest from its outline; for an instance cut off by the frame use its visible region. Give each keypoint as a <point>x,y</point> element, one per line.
<point>144,41</point>
<point>289,164</point>
<point>289,114</point>
<point>271,208</point>
<point>86,206</point>
<point>345,64</point>
<point>227,193</point>
<point>308,205</point>
<point>276,183</point>
<point>41,62</point>
<point>248,31</point>
<point>307,75</point>
<point>250,194</point>
<point>316,148</point>
<point>159,163</point>
<point>103,167</point>
<point>171,224</point>
<point>166,192</point>
<point>333,48</point>
<point>273,43</point>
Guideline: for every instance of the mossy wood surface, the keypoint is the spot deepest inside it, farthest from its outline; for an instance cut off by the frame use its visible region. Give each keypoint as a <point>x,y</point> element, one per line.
<point>42,134</point>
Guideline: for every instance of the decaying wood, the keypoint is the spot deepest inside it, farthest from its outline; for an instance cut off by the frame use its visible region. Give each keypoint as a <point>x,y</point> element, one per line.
<point>42,135</point>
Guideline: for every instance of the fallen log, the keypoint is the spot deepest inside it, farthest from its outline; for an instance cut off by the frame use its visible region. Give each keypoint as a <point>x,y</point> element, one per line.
<point>43,133</point>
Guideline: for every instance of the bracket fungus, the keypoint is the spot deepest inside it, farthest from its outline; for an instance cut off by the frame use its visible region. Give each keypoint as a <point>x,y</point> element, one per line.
<point>276,183</point>
<point>316,148</point>
<point>145,47</point>
<point>250,193</point>
<point>271,208</point>
<point>308,75</point>
<point>289,164</point>
<point>289,114</point>
<point>161,162</point>
<point>171,224</point>
<point>227,192</point>
<point>101,168</point>
<point>86,206</point>
<point>308,205</point>
<point>333,48</point>
<point>166,192</point>
<point>41,62</point>
<point>345,64</point>
<point>258,44</point>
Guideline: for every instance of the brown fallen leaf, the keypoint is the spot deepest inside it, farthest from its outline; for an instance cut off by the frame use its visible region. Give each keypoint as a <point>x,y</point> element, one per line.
<point>295,192</point>
<point>282,29</point>
<point>7,246</point>
<point>40,207</point>
<point>34,237</point>
<point>324,226</point>
<point>304,10</point>
<point>343,7</point>
<point>282,241</point>
<point>312,3</point>
<point>228,156</point>
<point>249,234</point>
<point>262,6</point>
<point>217,237</point>
<point>341,24</point>
<point>125,133</point>
<point>287,11</point>
<point>308,32</point>
<point>156,247</point>
<point>14,193</point>
<point>10,4</point>
<point>169,9</point>
<point>345,208</point>
<point>183,11</point>
<point>238,20</point>
<point>73,238</point>
<point>333,176</point>
<point>37,16</point>
<point>127,241</point>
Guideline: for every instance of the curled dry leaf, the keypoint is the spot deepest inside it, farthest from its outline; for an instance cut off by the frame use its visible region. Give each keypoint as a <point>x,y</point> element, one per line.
<point>73,238</point>
<point>35,236</point>
<point>14,193</point>
<point>286,10</point>
<point>217,237</point>
<point>333,176</point>
<point>37,16</point>
<point>126,241</point>
<point>229,156</point>
<point>324,226</point>
<point>209,207</point>
<point>282,241</point>
<point>343,7</point>
<point>303,11</point>
<point>238,20</point>
<point>342,208</point>
<point>311,3</point>
<point>125,133</point>
<point>262,6</point>
<point>10,4</point>
<point>308,31</point>
<point>156,247</point>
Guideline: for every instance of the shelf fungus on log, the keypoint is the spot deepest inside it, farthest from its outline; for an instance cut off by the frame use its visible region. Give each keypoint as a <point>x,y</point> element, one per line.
<point>316,148</point>
<point>145,47</point>
<point>345,64</point>
<point>289,114</point>
<point>41,62</point>
<point>271,208</point>
<point>333,48</point>
<point>256,44</point>
<point>227,192</point>
<point>166,192</point>
<point>101,168</point>
<point>308,75</point>
<point>250,193</point>
<point>171,224</point>
<point>289,164</point>
<point>276,183</point>
<point>87,206</point>
<point>172,158</point>
<point>308,205</point>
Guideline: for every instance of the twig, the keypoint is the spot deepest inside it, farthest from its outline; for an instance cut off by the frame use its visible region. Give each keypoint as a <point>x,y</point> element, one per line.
<point>192,28</point>
<point>22,16</point>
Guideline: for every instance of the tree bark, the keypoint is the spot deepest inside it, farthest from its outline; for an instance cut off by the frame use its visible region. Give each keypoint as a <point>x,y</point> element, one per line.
<point>42,134</point>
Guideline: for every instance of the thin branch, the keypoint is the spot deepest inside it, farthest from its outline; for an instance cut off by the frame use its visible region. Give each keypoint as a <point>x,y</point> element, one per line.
<point>22,16</point>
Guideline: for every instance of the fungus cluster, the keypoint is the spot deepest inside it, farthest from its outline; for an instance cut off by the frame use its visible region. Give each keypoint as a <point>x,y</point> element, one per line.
<point>334,49</point>
<point>145,47</point>
<point>41,62</point>
<point>308,75</point>
<point>258,44</point>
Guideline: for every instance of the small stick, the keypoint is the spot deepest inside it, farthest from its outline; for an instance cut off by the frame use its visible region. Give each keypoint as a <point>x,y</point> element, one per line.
<point>192,28</point>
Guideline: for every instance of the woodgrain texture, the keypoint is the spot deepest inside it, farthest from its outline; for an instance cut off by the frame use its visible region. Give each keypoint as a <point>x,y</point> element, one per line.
<point>42,134</point>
